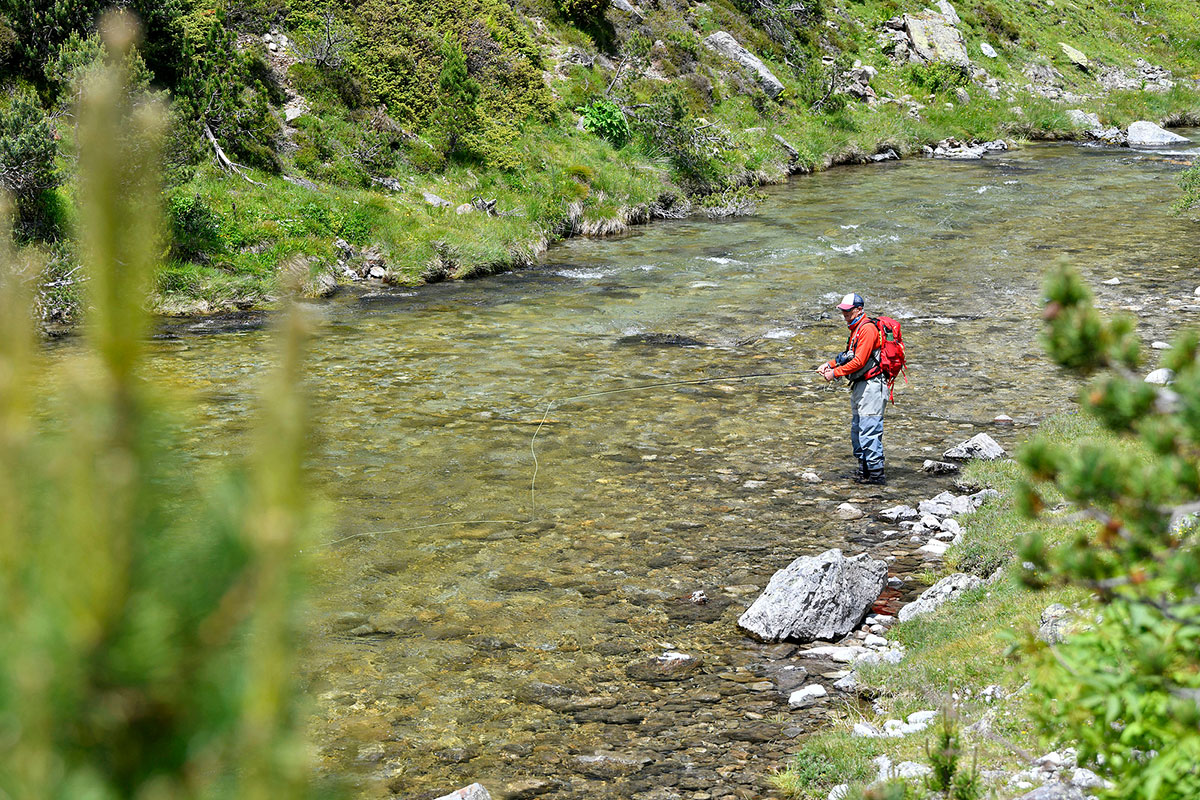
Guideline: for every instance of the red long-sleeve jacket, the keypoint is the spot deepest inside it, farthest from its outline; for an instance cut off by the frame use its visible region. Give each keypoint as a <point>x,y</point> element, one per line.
<point>864,337</point>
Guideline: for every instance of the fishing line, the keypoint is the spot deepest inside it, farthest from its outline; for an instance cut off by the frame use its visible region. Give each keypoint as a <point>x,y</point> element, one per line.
<point>533,448</point>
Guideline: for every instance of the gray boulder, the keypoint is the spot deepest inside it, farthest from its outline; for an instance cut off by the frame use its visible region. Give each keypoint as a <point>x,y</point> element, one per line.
<point>979,446</point>
<point>816,597</point>
<point>944,590</point>
<point>988,50</point>
<point>1082,119</point>
<point>934,38</point>
<point>1147,134</point>
<point>727,46</point>
<point>435,201</point>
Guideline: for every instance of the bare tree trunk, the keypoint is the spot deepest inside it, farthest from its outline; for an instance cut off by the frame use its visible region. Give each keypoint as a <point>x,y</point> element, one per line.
<point>224,161</point>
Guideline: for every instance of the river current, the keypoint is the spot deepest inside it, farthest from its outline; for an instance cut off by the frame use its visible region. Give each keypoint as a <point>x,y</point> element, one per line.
<point>469,623</point>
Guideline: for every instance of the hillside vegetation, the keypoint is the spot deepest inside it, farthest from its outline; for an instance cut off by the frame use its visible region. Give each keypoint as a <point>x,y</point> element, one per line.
<point>403,141</point>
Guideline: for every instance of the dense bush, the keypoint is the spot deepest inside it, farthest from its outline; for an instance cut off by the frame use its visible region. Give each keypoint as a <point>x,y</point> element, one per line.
<point>27,170</point>
<point>992,19</point>
<point>457,93</point>
<point>195,228</point>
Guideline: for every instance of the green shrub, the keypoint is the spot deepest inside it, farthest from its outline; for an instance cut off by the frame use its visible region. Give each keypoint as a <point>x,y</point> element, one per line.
<point>195,228</point>
<point>583,12</point>
<point>27,153</point>
<point>458,93</point>
<point>938,76</point>
<point>605,118</point>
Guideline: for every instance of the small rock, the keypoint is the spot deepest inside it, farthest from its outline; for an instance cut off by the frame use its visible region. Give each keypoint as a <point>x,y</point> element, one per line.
<point>1002,419</point>
<point>473,792</point>
<point>1160,346</point>
<point>1112,282</point>
<point>849,511</point>
<point>1054,621</point>
<point>670,666</point>
<point>896,513</point>
<point>979,446</point>
<point>1161,377</point>
<point>1054,791</point>
<point>944,590</point>
<point>938,467</point>
<point>435,201</point>
<point>839,792</point>
<point>963,96</point>
<point>934,548</point>
<point>865,730</point>
<point>849,683</point>
<point>806,695</point>
<point>465,208</point>
<point>988,50</point>
<point>1074,56</point>
<point>810,477</point>
<point>920,717</point>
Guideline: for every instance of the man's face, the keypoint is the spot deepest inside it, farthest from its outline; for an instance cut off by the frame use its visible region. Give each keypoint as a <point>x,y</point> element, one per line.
<point>850,313</point>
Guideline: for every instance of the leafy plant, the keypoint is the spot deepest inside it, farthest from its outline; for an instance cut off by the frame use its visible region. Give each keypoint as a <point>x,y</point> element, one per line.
<point>1127,690</point>
<point>947,776</point>
<point>1189,181</point>
<point>605,118</point>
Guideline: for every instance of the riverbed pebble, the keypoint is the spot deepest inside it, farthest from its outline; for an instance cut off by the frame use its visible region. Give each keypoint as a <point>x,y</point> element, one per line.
<point>806,695</point>
<point>1160,346</point>
<point>473,792</point>
<point>849,511</point>
<point>810,477</point>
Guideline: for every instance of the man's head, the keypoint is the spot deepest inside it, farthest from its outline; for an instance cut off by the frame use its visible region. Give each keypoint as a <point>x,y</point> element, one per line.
<point>851,306</point>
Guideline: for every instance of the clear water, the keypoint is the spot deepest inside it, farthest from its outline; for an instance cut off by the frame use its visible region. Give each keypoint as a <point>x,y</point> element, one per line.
<point>434,634</point>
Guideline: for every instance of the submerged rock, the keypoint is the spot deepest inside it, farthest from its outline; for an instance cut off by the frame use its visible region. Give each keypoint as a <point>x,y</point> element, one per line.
<point>938,467</point>
<point>816,597</point>
<point>670,666</point>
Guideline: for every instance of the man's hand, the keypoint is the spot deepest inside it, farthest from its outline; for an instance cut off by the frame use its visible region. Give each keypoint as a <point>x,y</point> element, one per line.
<point>826,371</point>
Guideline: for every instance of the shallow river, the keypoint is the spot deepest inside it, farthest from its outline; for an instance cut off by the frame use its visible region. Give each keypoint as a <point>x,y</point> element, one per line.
<point>471,624</point>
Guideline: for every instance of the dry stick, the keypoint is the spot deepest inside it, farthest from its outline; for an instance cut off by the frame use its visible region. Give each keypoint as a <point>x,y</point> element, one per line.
<point>224,160</point>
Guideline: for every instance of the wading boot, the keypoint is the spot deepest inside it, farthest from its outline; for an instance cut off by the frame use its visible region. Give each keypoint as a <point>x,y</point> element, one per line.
<point>874,478</point>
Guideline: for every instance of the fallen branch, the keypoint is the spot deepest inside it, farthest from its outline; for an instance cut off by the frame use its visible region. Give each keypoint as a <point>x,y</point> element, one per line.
<point>224,161</point>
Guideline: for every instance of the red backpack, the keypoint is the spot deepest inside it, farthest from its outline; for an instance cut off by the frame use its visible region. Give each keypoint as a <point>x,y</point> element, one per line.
<point>891,352</point>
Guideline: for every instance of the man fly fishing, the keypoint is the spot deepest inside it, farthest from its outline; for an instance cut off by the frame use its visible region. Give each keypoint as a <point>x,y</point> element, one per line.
<point>861,364</point>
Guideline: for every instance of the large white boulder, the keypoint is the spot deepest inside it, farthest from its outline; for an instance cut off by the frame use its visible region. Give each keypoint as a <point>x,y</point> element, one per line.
<point>726,45</point>
<point>816,597</point>
<point>1147,134</point>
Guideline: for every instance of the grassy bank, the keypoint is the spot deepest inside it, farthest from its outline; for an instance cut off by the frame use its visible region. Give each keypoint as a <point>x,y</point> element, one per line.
<point>955,655</point>
<point>574,117</point>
